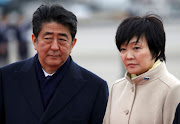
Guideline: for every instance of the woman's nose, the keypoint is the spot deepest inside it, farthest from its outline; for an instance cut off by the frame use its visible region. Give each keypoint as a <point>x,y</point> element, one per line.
<point>129,55</point>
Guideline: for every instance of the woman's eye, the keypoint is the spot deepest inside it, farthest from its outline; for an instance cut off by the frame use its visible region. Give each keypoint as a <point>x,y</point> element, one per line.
<point>136,48</point>
<point>122,49</point>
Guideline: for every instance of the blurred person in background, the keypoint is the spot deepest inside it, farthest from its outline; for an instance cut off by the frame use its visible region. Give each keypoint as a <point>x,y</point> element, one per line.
<point>3,36</point>
<point>148,94</point>
<point>50,87</point>
<point>22,28</point>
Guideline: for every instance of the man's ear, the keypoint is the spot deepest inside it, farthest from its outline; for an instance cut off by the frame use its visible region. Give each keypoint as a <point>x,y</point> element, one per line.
<point>74,42</point>
<point>34,41</point>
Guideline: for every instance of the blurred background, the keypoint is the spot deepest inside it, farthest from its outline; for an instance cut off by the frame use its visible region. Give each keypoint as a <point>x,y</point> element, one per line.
<point>97,23</point>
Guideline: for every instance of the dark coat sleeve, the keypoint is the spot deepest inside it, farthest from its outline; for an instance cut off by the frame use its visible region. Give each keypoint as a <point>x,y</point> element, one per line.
<point>177,115</point>
<point>100,104</point>
<point>1,101</point>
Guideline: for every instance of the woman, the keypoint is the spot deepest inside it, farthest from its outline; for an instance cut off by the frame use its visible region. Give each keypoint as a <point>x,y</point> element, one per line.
<point>148,94</point>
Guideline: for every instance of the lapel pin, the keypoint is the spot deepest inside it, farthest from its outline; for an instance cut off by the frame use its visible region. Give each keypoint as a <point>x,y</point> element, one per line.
<point>146,78</point>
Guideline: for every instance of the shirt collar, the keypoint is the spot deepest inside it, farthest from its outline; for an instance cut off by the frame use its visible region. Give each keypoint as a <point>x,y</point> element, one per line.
<point>41,72</point>
<point>47,74</point>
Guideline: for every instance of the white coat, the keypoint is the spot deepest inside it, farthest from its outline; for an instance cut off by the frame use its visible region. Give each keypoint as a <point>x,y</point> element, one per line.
<point>150,98</point>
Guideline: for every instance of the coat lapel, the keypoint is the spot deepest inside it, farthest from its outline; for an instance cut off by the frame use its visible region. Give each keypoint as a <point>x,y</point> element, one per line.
<point>29,86</point>
<point>68,88</point>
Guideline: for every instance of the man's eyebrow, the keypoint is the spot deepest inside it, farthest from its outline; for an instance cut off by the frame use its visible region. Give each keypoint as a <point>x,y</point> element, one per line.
<point>46,33</point>
<point>61,34</point>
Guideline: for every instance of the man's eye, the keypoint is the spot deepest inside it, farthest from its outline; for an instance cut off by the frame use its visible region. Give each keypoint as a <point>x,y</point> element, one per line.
<point>62,39</point>
<point>47,38</point>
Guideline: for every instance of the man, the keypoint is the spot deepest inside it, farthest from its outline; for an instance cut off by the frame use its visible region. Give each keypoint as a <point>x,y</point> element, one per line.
<point>50,88</point>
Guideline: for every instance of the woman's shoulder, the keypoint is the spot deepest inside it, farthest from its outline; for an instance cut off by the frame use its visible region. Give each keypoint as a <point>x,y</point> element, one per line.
<point>120,83</point>
<point>170,80</point>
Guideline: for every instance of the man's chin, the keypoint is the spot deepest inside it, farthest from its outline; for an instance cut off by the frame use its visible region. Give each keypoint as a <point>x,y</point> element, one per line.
<point>55,63</point>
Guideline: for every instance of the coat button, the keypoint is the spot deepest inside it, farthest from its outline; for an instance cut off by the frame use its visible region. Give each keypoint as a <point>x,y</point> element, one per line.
<point>126,112</point>
<point>132,88</point>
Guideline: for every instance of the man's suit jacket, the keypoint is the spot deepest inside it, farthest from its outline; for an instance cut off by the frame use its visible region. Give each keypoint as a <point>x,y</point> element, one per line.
<point>80,98</point>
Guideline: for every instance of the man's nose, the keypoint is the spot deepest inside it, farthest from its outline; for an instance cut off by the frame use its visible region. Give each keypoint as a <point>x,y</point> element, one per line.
<point>54,45</point>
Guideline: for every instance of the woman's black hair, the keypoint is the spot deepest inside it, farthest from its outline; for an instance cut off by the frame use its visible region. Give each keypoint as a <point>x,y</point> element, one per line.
<point>150,26</point>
